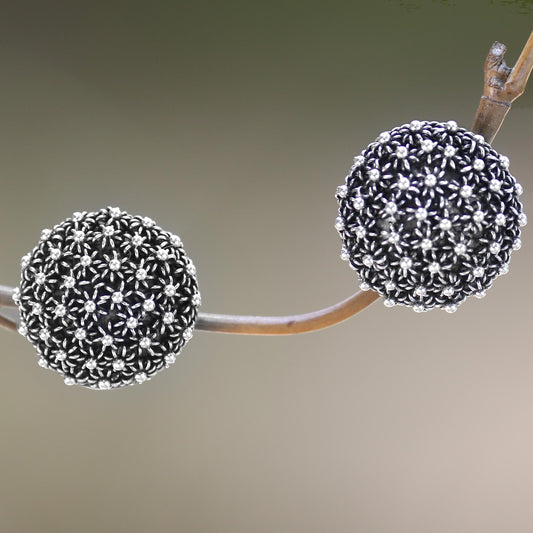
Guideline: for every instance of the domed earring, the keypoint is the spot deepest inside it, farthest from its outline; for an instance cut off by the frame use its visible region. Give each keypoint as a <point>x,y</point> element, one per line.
<point>428,215</point>
<point>108,299</point>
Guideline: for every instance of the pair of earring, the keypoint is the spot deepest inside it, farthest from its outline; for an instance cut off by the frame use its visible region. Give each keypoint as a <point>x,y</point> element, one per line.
<point>429,215</point>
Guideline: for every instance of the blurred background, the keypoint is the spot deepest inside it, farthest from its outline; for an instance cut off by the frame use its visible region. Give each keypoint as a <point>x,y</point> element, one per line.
<point>231,124</point>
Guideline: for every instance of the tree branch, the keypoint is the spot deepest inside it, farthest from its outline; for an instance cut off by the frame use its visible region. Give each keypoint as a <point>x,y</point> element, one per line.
<point>502,86</point>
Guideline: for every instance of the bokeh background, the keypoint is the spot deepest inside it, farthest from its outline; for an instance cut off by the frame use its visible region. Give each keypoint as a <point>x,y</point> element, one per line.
<point>231,123</point>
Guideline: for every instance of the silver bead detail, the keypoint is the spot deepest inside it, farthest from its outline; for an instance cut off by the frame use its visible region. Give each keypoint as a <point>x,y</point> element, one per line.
<point>89,306</point>
<point>114,264</point>
<point>168,318</point>
<point>391,208</point>
<point>406,263</point>
<point>451,125</point>
<point>449,151</point>
<point>478,216</point>
<point>69,282</point>
<point>445,224</point>
<point>170,290</point>
<point>364,286</point>
<point>162,254</point>
<point>170,359</point>
<point>522,220</point>
<point>448,291</point>
<point>394,238</point>
<point>342,191</point>
<point>16,295</point>
<point>90,364</point>
<point>358,203</point>
<point>148,222</point>
<point>500,219</point>
<point>427,145</point>
<point>117,297</point>
<point>137,240</point>
<point>495,185</point>
<point>149,305</point>
<point>25,261</point>
<point>141,274</point>
<point>390,285</point>
<point>478,164</point>
<point>107,340</point>
<point>118,364</point>
<point>187,334</point>
<point>360,232</point>
<point>140,377</point>
<point>368,261</point>
<point>145,343</point>
<point>358,161</point>
<point>434,268</point>
<point>60,310</point>
<point>132,322</point>
<point>420,291</point>
<point>495,248</point>
<point>430,180</point>
<point>80,334</point>
<point>478,272</point>
<point>403,183</point>
<point>383,137</point>
<point>374,174</point>
<point>175,241</point>
<point>55,253</point>
<point>402,152</point>
<point>426,244</point>
<point>466,191</point>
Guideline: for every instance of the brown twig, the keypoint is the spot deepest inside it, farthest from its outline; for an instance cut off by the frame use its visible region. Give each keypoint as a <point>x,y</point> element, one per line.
<point>6,297</point>
<point>287,325</point>
<point>502,86</point>
<point>8,323</point>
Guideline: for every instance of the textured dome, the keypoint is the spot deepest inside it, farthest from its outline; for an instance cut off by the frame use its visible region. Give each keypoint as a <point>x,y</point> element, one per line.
<point>429,215</point>
<point>107,299</point>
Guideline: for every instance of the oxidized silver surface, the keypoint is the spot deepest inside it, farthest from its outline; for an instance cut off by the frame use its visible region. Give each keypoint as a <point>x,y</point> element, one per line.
<point>429,215</point>
<point>108,299</point>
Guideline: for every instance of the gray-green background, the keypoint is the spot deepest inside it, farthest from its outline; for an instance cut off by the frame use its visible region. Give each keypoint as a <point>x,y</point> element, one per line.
<point>231,123</point>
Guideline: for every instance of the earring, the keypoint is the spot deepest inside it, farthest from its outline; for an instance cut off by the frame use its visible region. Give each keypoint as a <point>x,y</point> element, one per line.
<point>429,215</point>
